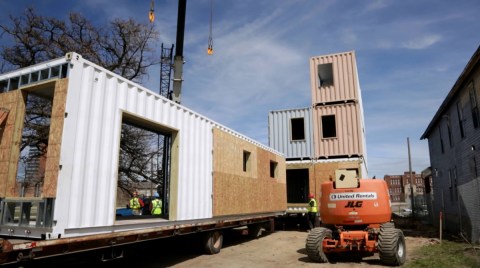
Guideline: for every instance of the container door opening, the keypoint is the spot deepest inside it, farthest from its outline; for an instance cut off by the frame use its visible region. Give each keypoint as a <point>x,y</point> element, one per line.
<point>144,168</point>
<point>297,185</point>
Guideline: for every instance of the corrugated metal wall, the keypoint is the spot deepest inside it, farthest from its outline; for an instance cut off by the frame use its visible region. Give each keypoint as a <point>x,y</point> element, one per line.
<point>349,137</point>
<point>345,78</point>
<point>279,133</point>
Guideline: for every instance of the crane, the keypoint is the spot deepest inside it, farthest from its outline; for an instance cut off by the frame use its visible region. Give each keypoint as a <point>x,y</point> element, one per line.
<point>178,59</point>
<point>210,37</point>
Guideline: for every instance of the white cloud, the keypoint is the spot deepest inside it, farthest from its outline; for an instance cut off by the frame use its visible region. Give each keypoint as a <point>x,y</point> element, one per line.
<point>422,42</point>
<point>377,4</point>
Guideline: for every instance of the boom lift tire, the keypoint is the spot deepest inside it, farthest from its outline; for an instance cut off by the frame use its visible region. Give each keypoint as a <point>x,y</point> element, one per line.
<point>213,242</point>
<point>314,244</point>
<point>391,245</point>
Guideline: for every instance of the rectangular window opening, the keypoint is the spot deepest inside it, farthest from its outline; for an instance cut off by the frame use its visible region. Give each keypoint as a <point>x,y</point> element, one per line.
<point>297,129</point>
<point>473,104</point>
<point>273,169</point>
<point>449,130</point>
<point>325,75</point>
<point>441,140</point>
<point>246,161</point>
<point>329,126</point>
<point>460,120</point>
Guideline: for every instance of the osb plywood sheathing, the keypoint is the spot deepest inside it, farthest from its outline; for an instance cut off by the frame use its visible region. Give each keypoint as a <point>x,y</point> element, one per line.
<point>236,191</point>
<point>11,135</point>
<point>10,140</point>
<point>55,139</point>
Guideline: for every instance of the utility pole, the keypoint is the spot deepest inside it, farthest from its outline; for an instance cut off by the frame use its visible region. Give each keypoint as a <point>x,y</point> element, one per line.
<point>411,179</point>
<point>178,59</point>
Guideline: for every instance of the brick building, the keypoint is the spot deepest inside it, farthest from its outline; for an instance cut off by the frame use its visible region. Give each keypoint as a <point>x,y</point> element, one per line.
<point>399,187</point>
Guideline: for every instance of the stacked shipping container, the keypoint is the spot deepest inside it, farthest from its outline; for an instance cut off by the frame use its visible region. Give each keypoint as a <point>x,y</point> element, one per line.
<point>325,137</point>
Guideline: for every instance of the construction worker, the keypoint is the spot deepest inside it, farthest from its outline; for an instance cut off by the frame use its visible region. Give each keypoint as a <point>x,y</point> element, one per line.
<point>136,204</point>
<point>156,205</point>
<point>312,210</point>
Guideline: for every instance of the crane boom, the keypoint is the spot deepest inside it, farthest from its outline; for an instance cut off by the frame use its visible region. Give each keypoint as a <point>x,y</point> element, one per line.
<point>178,59</point>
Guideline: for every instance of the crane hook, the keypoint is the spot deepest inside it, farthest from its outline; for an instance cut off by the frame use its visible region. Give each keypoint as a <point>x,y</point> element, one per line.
<point>210,38</point>
<point>151,15</point>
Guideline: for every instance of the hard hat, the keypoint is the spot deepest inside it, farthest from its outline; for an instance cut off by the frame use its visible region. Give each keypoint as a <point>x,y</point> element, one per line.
<point>311,196</point>
<point>156,195</point>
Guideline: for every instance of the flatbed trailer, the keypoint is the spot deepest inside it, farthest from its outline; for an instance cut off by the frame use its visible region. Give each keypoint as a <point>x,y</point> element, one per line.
<point>22,250</point>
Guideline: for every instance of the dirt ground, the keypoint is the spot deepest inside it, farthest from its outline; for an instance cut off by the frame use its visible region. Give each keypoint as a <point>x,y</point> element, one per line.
<point>282,248</point>
<point>279,249</point>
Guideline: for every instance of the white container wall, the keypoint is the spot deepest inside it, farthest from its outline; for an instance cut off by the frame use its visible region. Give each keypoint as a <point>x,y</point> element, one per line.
<point>281,136</point>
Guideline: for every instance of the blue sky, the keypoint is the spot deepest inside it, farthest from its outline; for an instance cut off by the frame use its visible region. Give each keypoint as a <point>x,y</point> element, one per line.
<point>409,55</point>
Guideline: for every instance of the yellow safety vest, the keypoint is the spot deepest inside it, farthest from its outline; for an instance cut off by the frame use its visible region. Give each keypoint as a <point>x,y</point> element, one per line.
<point>312,205</point>
<point>134,204</point>
<point>156,207</point>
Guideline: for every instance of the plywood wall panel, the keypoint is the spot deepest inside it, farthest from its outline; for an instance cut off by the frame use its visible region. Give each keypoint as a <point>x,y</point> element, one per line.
<point>239,192</point>
<point>55,139</point>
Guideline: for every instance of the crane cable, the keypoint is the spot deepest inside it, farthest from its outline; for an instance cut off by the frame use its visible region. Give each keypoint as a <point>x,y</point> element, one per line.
<point>210,38</point>
<point>151,15</point>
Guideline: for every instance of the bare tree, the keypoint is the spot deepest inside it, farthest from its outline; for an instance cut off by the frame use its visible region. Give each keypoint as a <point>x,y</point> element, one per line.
<point>124,46</point>
<point>140,158</point>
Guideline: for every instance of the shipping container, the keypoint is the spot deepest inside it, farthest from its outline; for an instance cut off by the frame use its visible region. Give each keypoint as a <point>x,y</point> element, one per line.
<point>334,77</point>
<point>338,131</point>
<point>74,137</point>
<point>290,132</point>
<point>326,138</point>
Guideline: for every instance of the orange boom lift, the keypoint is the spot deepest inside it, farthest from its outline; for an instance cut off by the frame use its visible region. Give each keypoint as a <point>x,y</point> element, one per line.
<point>356,218</point>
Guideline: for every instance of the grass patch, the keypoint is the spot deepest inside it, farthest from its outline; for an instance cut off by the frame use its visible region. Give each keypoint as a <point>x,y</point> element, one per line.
<point>448,254</point>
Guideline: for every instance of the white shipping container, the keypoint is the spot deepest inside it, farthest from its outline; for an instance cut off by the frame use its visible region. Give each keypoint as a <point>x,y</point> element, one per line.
<point>96,102</point>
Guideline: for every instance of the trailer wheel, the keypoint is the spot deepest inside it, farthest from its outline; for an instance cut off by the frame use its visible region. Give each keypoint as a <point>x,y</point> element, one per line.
<point>213,242</point>
<point>391,245</point>
<point>314,244</point>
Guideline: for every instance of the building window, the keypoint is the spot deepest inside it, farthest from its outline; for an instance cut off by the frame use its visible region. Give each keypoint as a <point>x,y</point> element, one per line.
<point>460,120</point>
<point>246,161</point>
<point>441,139</point>
<point>325,75</point>
<point>328,126</point>
<point>297,129</point>
<point>449,131</point>
<point>473,104</point>
<point>273,169</point>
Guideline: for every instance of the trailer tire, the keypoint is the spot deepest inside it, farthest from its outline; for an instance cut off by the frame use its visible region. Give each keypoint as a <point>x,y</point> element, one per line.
<point>213,242</point>
<point>314,244</point>
<point>391,245</point>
